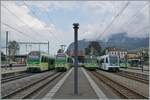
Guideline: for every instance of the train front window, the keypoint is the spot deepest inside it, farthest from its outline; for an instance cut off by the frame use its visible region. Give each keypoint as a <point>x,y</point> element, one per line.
<point>113,60</point>
<point>33,58</point>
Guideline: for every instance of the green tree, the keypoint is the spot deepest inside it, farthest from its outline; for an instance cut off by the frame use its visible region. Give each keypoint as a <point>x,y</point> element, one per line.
<point>13,49</point>
<point>94,48</point>
<point>3,57</point>
<point>60,51</point>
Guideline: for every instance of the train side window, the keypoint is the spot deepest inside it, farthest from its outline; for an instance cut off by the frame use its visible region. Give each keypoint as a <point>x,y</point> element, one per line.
<point>46,59</point>
<point>42,59</point>
<point>68,60</point>
<point>102,61</point>
<point>106,60</point>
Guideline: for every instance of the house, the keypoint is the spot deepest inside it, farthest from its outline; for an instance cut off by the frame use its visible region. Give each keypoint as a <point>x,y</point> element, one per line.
<point>116,51</point>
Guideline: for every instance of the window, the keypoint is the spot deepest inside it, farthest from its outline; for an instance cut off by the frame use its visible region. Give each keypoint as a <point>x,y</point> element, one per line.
<point>102,61</point>
<point>44,59</point>
<point>106,60</point>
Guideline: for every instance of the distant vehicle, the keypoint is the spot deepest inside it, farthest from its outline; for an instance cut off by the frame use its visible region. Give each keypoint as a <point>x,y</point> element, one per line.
<point>108,62</point>
<point>123,63</point>
<point>39,61</point>
<point>63,62</point>
<point>90,63</point>
<point>134,62</point>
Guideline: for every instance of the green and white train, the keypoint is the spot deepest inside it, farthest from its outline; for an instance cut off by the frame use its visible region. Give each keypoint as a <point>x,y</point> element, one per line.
<point>132,62</point>
<point>90,63</point>
<point>63,62</point>
<point>40,61</point>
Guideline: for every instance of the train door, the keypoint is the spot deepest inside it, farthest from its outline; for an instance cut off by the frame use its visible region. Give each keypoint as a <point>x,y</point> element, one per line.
<point>106,63</point>
<point>102,62</point>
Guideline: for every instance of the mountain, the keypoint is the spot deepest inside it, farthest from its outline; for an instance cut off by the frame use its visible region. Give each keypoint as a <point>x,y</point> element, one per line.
<point>118,40</point>
<point>121,40</point>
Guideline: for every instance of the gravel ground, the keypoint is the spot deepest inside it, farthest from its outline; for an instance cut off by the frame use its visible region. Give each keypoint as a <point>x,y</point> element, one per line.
<point>7,88</point>
<point>110,93</point>
<point>132,84</point>
<point>40,94</point>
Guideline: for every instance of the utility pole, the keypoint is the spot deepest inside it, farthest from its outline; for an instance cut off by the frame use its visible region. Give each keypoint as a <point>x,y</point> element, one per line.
<point>26,48</point>
<point>39,47</point>
<point>76,57</point>
<point>6,49</point>
<point>48,47</point>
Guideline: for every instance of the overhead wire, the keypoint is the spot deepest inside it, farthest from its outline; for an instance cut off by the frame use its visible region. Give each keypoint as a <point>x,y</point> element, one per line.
<point>135,15</point>
<point>22,33</point>
<point>34,13</point>
<point>17,30</point>
<point>50,22</point>
<point>19,18</point>
<point>117,15</point>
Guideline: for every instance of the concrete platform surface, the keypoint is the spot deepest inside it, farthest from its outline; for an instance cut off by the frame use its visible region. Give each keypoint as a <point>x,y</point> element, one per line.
<point>13,69</point>
<point>135,71</point>
<point>66,91</point>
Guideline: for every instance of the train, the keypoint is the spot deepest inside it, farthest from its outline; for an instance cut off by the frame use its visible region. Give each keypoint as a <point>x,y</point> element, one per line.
<point>63,62</point>
<point>108,62</point>
<point>90,63</point>
<point>40,61</point>
<point>130,63</point>
<point>123,63</point>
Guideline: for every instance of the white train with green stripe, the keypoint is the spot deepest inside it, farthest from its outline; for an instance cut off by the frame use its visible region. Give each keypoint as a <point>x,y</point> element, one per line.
<point>40,61</point>
<point>63,62</point>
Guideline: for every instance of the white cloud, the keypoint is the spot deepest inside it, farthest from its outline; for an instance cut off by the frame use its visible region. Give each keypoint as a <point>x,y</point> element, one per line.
<point>106,10</point>
<point>100,14</point>
<point>24,22</point>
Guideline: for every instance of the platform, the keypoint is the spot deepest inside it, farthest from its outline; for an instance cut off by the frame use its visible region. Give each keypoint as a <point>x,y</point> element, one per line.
<point>87,87</point>
<point>13,70</point>
<point>135,71</point>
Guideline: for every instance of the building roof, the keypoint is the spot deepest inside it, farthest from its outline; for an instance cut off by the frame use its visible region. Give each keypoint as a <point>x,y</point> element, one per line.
<point>114,49</point>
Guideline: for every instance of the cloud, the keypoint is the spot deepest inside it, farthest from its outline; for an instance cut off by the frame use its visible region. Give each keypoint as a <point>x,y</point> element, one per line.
<point>33,29</point>
<point>93,17</point>
<point>106,10</point>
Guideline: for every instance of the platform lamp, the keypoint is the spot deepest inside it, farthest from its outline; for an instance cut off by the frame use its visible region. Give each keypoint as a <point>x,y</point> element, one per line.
<point>76,27</point>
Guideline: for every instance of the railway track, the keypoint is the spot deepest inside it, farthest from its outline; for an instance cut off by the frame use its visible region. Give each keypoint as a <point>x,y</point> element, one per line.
<point>15,77</point>
<point>133,76</point>
<point>123,91</point>
<point>28,90</point>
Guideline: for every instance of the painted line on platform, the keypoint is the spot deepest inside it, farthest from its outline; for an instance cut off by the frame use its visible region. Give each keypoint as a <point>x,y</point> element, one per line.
<point>99,93</point>
<point>51,93</point>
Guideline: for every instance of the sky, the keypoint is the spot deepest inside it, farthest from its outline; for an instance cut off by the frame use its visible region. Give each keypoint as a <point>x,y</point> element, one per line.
<point>42,21</point>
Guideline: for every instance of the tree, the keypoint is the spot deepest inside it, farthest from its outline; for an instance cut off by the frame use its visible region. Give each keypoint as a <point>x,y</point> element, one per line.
<point>94,48</point>
<point>13,49</point>
<point>3,57</point>
<point>60,51</point>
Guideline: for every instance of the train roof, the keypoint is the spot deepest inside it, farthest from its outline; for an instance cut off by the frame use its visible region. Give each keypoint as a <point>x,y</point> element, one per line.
<point>106,56</point>
<point>42,53</point>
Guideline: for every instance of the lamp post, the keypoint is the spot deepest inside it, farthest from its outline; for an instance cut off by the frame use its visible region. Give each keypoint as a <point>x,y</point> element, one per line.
<point>76,57</point>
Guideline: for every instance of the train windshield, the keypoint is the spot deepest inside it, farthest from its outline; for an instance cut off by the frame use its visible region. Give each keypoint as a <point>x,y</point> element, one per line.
<point>113,61</point>
<point>34,56</point>
<point>60,57</point>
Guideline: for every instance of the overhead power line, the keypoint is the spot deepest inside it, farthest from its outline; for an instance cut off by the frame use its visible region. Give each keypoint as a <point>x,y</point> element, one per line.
<point>18,30</point>
<point>135,15</point>
<point>19,19</point>
<point>48,19</point>
<point>117,15</point>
